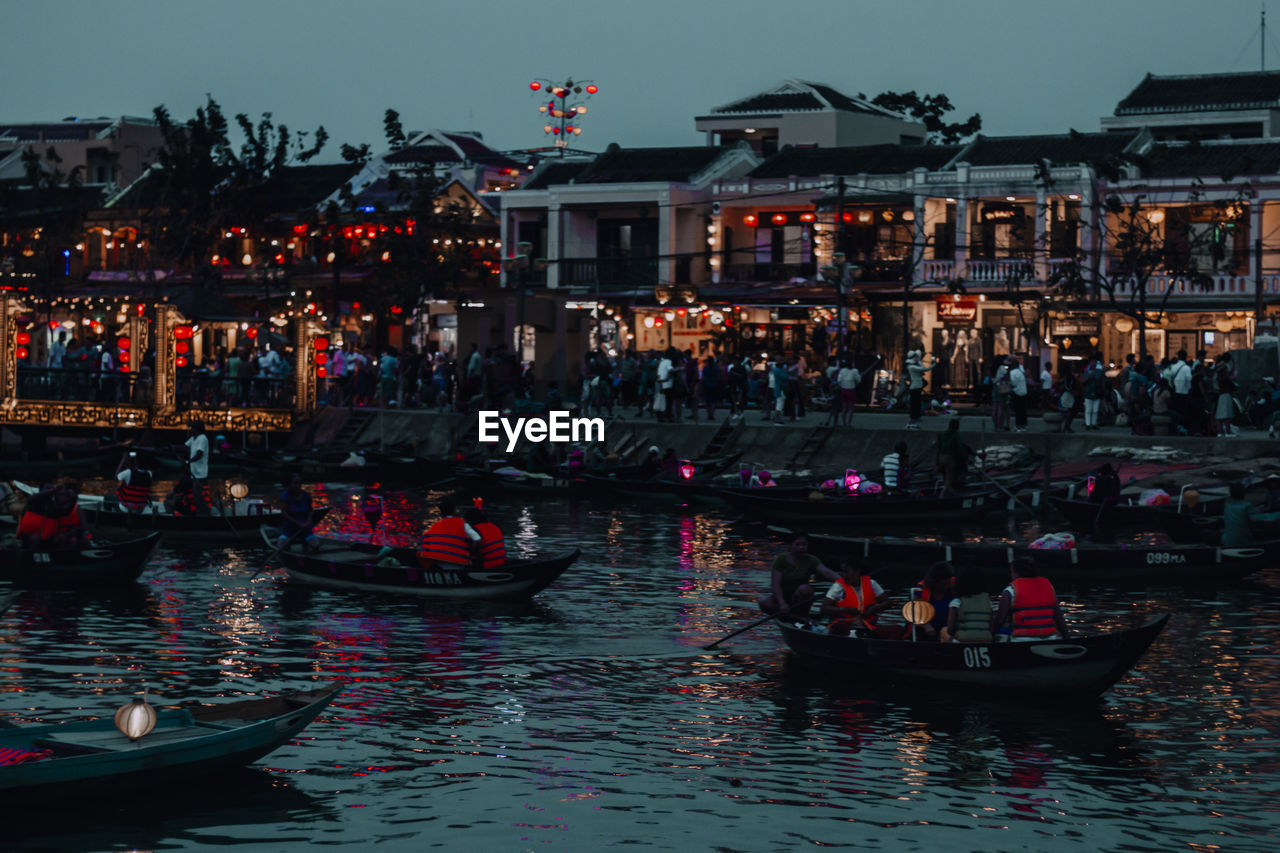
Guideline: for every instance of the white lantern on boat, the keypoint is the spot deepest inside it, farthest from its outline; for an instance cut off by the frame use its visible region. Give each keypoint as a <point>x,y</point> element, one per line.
<point>917,611</point>
<point>239,491</point>
<point>136,718</point>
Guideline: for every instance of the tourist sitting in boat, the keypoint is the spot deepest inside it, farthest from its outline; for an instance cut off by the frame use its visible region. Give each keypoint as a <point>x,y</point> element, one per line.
<point>1029,607</point>
<point>897,471</point>
<point>937,588</point>
<point>450,542</point>
<point>853,602</point>
<point>70,533</point>
<point>134,491</point>
<point>651,465</point>
<point>491,550</point>
<point>295,503</point>
<point>763,480</point>
<point>1106,485</point>
<point>181,500</point>
<point>969,615</point>
<point>38,524</point>
<point>1236,515</point>
<point>790,594</point>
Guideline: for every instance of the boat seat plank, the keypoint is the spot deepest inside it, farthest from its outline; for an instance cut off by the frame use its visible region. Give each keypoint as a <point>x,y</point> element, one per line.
<point>106,740</point>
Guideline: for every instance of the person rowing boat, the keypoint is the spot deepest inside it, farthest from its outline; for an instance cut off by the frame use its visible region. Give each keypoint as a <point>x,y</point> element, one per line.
<point>790,593</point>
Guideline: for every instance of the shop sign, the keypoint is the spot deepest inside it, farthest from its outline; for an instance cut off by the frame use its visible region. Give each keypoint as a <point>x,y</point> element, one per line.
<point>1003,213</point>
<point>957,311</point>
<point>1079,326</point>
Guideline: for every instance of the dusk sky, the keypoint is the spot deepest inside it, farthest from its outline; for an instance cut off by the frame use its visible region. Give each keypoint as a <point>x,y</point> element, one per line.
<point>1034,67</point>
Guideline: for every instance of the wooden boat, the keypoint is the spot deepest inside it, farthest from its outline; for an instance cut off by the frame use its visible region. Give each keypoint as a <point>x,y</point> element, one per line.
<point>1086,515</point>
<point>240,518</point>
<point>104,563</point>
<point>1079,667</point>
<point>377,468</point>
<point>882,508</point>
<point>342,564</point>
<point>93,759</point>
<point>1111,562</point>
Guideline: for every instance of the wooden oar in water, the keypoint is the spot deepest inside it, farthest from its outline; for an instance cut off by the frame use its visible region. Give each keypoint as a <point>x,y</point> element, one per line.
<point>743,630</point>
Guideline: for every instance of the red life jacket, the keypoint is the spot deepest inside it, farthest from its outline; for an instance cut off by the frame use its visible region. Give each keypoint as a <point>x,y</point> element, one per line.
<point>1034,602</point>
<point>70,521</point>
<point>446,542</point>
<point>858,599</point>
<point>493,550</point>
<point>135,494</point>
<point>36,523</point>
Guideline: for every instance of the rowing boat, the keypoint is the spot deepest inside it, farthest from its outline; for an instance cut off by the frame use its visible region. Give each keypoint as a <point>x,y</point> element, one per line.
<point>52,763</point>
<point>343,564</point>
<point>1079,667</point>
<point>104,563</point>
<point>877,508</point>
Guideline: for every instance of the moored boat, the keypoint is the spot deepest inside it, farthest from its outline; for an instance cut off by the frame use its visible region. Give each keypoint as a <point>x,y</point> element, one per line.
<point>1087,515</point>
<point>1078,667</point>
<point>102,564</point>
<point>342,564</point>
<point>875,508</point>
<point>49,763</point>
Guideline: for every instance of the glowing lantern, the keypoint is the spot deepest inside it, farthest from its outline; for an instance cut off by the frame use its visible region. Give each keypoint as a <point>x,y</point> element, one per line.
<point>807,217</point>
<point>779,219</point>
<point>182,347</point>
<point>180,361</point>
<point>141,309</point>
<point>124,343</point>
<point>21,353</point>
<point>535,86</point>
<point>657,322</point>
<point>321,373</point>
<point>123,357</point>
<point>592,89</point>
<point>750,220</point>
<point>687,469</point>
<point>22,338</point>
<point>555,131</point>
<point>251,332</point>
<point>135,719</point>
<point>322,343</point>
<point>239,490</point>
<point>648,322</point>
<point>322,358</point>
<point>577,131</point>
<point>680,312</point>
<point>851,480</point>
<point>182,333</point>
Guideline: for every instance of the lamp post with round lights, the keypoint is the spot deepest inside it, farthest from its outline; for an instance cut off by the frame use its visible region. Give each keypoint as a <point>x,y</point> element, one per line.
<point>564,109</point>
<point>840,273</point>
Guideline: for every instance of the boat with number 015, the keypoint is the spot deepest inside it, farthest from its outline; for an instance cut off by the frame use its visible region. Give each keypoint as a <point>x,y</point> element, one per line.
<point>1079,667</point>
<point>64,762</point>
<point>342,564</point>
<point>102,563</point>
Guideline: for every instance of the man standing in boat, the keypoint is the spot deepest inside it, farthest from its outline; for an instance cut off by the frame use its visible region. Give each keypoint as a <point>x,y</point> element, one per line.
<point>295,502</point>
<point>198,463</point>
<point>854,601</point>
<point>1029,605</point>
<point>134,491</point>
<point>450,543</point>
<point>790,593</point>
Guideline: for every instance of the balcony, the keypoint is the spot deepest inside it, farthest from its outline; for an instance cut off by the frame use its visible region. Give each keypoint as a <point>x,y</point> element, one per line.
<point>987,272</point>
<point>609,273</point>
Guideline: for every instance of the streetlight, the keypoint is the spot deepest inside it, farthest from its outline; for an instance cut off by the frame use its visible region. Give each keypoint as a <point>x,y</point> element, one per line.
<point>520,264</point>
<point>840,273</point>
<point>559,111</point>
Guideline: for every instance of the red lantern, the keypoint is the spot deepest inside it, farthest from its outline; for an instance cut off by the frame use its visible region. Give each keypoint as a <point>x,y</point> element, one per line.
<point>321,373</point>
<point>123,358</point>
<point>779,219</point>
<point>535,86</point>
<point>564,93</point>
<point>53,324</point>
<point>22,338</point>
<point>396,309</point>
<point>847,217</point>
<point>181,333</point>
<point>123,342</point>
<point>657,322</point>
<point>807,217</point>
<point>251,332</point>
<point>556,131</point>
<point>180,361</point>
<point>750,220</point>
<point>681,312</point>
<point>21,353</point>
<point>592,89</point>
<point>141,309</point>
<point>124,368</point>
<point>182,347</point>
<point>322,343</point>
<point>322,358</point>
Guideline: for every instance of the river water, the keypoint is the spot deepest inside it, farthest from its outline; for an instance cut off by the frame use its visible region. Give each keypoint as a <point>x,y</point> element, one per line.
<point>591,718</point>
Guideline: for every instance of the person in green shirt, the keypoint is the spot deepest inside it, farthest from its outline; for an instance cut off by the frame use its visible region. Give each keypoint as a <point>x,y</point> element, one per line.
<point>1236,515</point>
<point>790,593</point>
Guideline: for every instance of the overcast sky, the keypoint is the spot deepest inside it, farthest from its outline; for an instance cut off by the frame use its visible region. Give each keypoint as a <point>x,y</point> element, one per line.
<point>1027,67</point>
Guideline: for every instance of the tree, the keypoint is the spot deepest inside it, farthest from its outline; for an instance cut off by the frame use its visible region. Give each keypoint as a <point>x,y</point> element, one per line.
<point>931,110</point>
<point>42,213</point>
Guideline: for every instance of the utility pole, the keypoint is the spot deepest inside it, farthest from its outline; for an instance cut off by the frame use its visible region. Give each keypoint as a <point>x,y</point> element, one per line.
<point>844,267</point>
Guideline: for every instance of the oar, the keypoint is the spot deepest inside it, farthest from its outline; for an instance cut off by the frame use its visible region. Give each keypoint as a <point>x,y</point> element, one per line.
<point>280,549</point>
<point>754,624</point>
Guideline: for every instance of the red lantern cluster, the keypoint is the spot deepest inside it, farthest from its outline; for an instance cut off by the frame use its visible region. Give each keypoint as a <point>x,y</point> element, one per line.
<point>182,344</point>
<point>21,340</point>
<point>124,347</point>
<point>321,357</point>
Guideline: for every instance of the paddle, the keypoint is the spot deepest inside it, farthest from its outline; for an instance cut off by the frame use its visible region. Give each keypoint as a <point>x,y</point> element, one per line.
<point>754,624</point>
<point>280,549</point>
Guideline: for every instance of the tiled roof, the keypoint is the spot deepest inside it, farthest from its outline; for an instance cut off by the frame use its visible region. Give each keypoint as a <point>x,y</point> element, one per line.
<point>57,131</point>
<point>1063,149</point>
<point>768,103</point>
<point>1211,161</point>
<point>863,159</point>
<point>628,165</point>
<point>423,154</point>
<point>799,96</point>
<point>1192,92</point>
<point>553,173</point>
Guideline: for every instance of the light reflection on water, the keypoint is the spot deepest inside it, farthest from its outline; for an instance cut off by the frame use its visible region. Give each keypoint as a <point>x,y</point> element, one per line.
<point>591,716</point>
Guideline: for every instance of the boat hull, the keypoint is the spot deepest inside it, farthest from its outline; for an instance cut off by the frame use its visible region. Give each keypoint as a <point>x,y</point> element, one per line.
<point>105,564</point>
<point>1074,668</point>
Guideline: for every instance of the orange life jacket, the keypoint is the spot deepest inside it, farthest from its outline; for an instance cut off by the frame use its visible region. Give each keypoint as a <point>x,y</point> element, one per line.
<point>493,550</point>
<point>70,521</point>
<point>36,523</point>
<point>446,542</point>
<point>858,599</point>
<point>135,494</point>
<point>1034,602</point>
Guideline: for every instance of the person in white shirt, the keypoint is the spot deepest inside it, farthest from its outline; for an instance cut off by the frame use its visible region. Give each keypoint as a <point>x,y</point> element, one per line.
<point>198,463</point>
<point>1046,387</point>
<point>661,405</point>
<point>57,350</point>
<point>896,468</point>
<point>1018,395</point>
<point>847,380</point>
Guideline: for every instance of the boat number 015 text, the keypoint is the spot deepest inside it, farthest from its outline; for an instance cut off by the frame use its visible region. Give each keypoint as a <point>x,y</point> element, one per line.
<point>977,657</point>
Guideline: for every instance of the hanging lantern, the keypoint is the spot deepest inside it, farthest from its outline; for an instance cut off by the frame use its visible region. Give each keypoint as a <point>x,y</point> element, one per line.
<point>136,718</point>
<point>851,480</point>
<point>123,342</point>
<point>535,86</point>
<point>750,220</point>
<point>251,332</point>
<point>239,491</point>
<point>321,373</point>
<point>180,361</point>
<point>546,128</point>
<point>182,333</point>
<point>322,358</point>
<point>592,88</point>
<point>687,469</point>
<point>321,343</point>
<point>648,322</point>
<point>123,357</point>
<point>779,219</point>
<point>917,611</point>
<point>21,353</point>
<point>577,131</point>
<point>182,347</point>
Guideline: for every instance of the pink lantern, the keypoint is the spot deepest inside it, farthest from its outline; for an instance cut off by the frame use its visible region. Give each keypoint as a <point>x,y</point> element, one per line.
<point>851,480</point>
<point>687,469</point>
